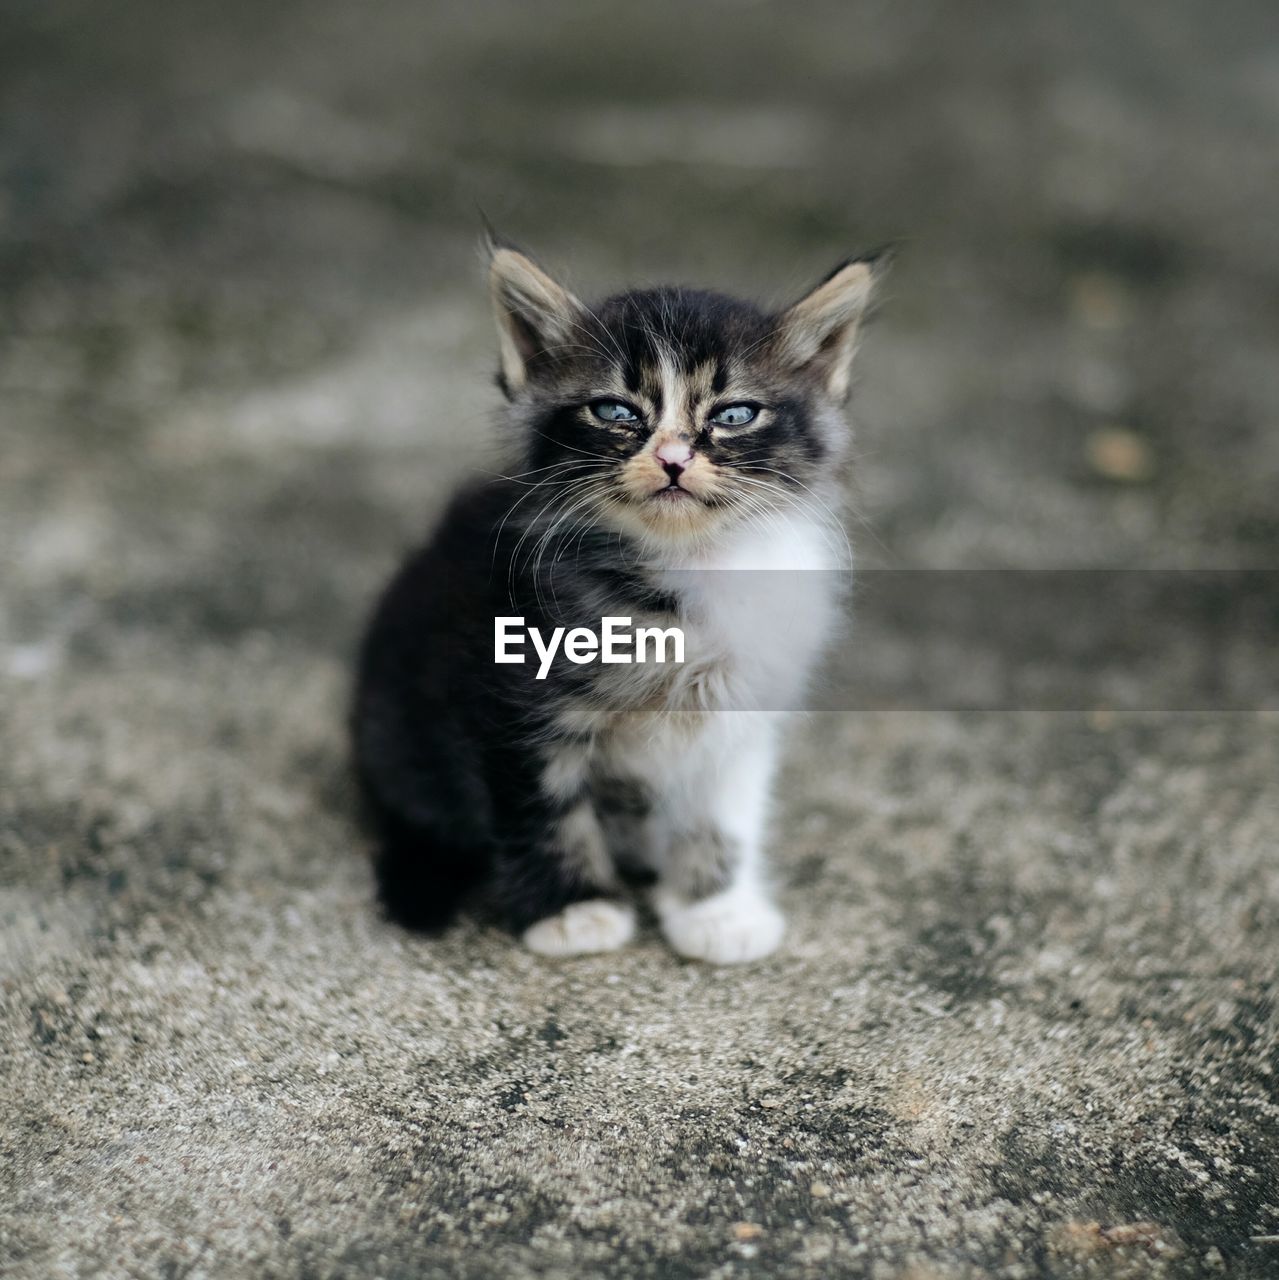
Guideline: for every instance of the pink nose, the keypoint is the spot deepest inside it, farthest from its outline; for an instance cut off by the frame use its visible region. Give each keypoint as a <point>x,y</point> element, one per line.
<point>674,456</point>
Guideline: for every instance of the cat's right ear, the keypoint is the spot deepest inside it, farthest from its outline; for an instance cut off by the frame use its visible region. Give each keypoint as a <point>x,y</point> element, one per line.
<point>534,315</point>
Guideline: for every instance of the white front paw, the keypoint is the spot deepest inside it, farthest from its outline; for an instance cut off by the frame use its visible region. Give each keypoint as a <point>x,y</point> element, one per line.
<point>733,927</point>
<point>581,928</point>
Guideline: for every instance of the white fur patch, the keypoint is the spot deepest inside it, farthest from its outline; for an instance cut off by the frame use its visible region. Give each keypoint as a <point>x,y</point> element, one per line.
<point>733,927</point>
<point>582,928</point>
<point>565,771</point>
<point>759,609</point>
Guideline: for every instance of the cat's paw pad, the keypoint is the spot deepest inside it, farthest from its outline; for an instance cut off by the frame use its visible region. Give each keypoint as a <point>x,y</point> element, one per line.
<point>581,928</point>
<point>730,928</point>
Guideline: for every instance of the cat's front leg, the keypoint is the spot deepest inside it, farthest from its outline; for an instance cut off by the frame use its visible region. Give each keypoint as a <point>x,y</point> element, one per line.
<point>712,898</point>
<point>555,876</point>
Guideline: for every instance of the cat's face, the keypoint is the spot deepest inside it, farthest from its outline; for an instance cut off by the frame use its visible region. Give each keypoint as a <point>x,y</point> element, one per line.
<point>671,413</point>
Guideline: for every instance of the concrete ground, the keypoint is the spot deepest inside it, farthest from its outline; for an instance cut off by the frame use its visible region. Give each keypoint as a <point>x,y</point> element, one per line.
<point>1024,1024</point>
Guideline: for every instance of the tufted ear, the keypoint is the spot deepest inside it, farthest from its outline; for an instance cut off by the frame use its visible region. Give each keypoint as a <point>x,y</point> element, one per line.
<point>819,333</point>
<point>534,314</point>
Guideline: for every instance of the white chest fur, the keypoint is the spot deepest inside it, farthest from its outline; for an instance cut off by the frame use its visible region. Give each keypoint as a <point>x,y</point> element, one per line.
<point>757,612</point>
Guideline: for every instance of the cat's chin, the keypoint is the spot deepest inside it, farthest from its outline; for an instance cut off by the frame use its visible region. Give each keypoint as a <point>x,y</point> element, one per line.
<point>669,515</point>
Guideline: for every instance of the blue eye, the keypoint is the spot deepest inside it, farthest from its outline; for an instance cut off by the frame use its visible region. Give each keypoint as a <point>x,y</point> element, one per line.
<point>735,415</point>
<point>614,411</point>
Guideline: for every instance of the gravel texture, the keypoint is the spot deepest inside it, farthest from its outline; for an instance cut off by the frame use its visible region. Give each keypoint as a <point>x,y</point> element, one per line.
<point>1024,1024</point>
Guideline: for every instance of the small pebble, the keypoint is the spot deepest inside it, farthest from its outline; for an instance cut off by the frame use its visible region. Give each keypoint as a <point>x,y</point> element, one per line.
<point>1119,454</point>
<point>747,1231</point>
<point>819,1191</point>
<point>1100,301</point>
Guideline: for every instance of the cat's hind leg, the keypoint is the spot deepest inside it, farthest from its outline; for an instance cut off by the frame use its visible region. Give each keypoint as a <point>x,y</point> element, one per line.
<point>425,792</point>
<point>422,875</point>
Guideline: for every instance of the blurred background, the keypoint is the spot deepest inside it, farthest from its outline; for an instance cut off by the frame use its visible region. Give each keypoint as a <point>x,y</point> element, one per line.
<point>244,351</point>
<point>242,305</point>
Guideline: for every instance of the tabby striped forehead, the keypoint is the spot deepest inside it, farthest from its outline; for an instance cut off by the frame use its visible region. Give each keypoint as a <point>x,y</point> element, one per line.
<point>679,342</point>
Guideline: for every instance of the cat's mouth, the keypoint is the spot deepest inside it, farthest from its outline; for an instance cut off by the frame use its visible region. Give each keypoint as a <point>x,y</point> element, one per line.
<point>673,493</point>
<point>667,502</point>
<point>676,495</point>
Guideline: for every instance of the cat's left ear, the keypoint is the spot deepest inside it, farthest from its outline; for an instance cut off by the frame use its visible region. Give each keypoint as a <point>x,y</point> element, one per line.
<point>819,333</point>
<point>535,315</point>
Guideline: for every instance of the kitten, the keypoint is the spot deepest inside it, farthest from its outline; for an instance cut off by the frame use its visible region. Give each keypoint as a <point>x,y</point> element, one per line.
<point>674,447</point>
